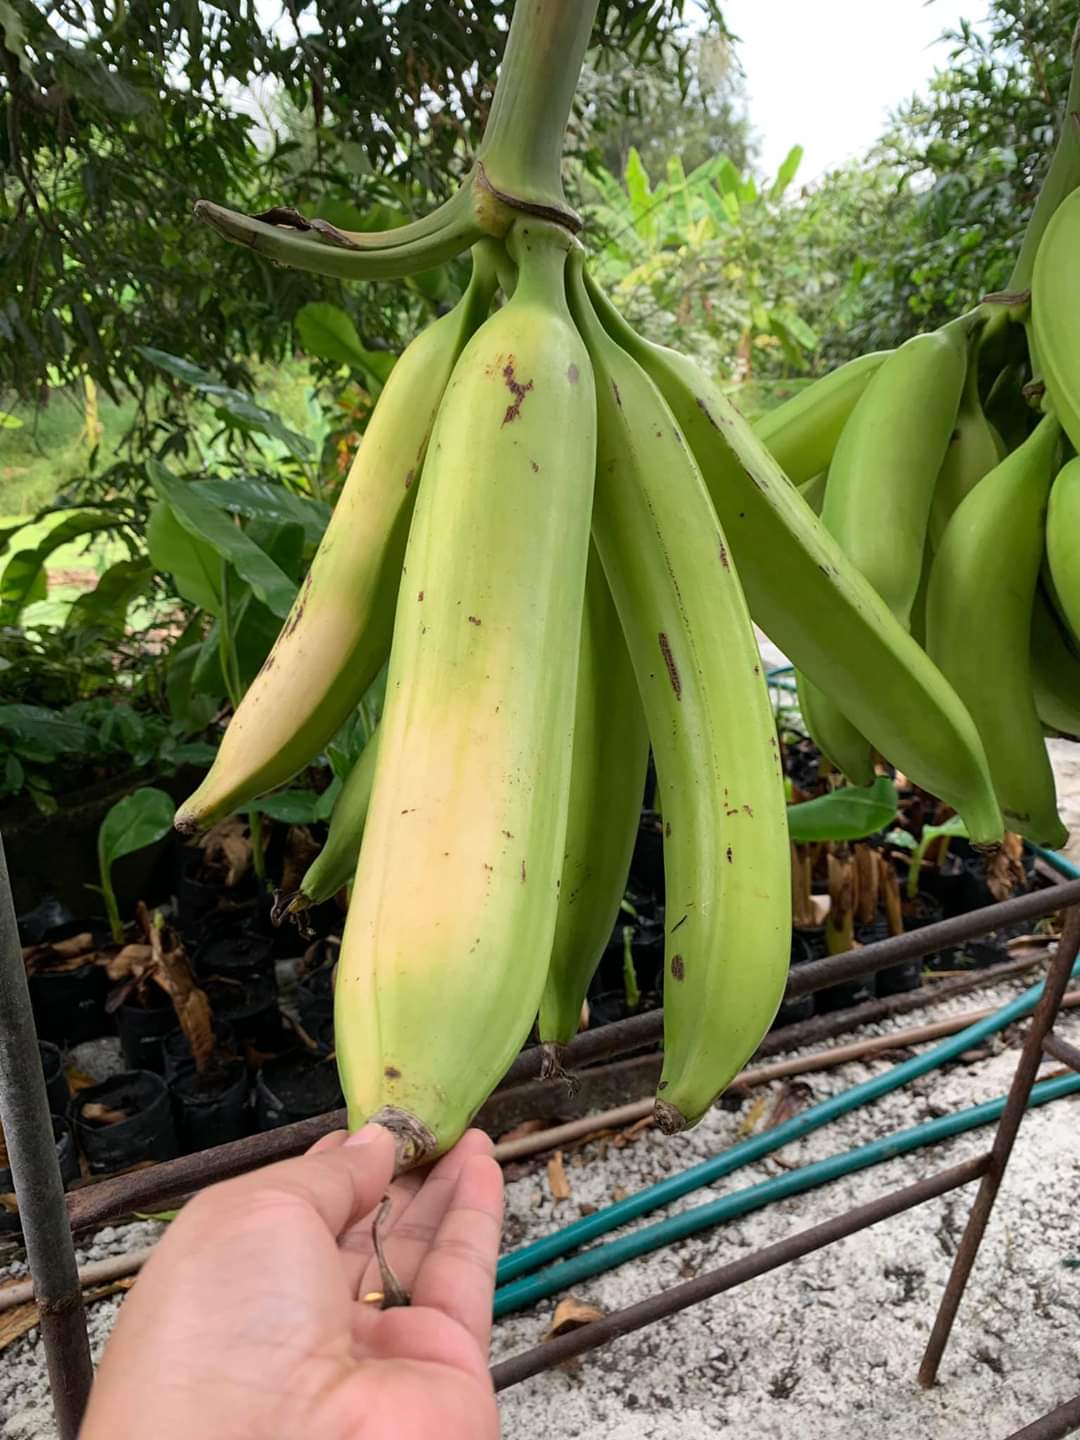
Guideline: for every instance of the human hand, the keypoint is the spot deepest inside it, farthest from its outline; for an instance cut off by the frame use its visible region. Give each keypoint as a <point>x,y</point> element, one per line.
<point>247,1322</point>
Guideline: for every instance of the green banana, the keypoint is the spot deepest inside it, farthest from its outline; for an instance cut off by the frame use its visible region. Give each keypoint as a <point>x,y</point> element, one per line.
<point>1055,672</point>
<point>974,450</point>
<point>453,912</point>
<point>607,780</point>
<point>1063,541</point>
<point>335,865</point>
<point>337,634</point>
<point>1054,288</point>
<point>711,725</point>
<point>802,434</point>
<point>978,625</point>
<point>835,736</point>
<point>812,602</point>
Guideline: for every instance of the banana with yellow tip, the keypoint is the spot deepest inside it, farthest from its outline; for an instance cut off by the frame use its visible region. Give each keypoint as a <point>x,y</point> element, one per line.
<point>446,945</point>
<point>337,635</point>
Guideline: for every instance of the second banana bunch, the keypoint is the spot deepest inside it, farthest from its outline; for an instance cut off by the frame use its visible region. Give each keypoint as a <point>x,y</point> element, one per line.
<point>558,532</point>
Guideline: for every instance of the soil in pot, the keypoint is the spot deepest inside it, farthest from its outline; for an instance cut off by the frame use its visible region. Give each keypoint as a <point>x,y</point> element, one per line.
<point>66,1154</point>
<point>56,1083</point>
<point>210,1108</point>
<point>235,952</point>
<point>802,1007</point>
<point>176,1053</point>
<point>250,1006</point>
<point>124,1120</point>
<point>142,1029</point>
<point>295,1087</point>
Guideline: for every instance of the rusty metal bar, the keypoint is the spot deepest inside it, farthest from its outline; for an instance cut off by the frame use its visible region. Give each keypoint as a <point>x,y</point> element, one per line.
<point>156,1186</point>
<point>726,1277</point>
<point>39,1190</point>
<point>1065,1420</point>
<point>1062,1050</point>
<point>1042,1020</point>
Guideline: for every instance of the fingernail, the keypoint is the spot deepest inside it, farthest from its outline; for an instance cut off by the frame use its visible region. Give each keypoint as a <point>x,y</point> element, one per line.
<point>365,1135</point>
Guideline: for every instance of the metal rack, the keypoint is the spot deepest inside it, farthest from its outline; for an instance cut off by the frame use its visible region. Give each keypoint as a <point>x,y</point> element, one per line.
<point>49,1218</point>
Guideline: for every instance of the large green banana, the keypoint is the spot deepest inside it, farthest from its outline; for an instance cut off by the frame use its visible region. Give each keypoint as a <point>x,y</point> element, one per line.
<point>813,491</point>
<point>1054,288</point>
<point>802,434</point>
<point>453,911</point>
<point>607,780</point>
<point>338,633</point>
<point>974,450</point>
<point>1063,541</point>
<point>726,858</point>
<point>812,602</point>
<point>978,625</point>
<point>335,865</point>
<point>882,476</point>
<point>833,733</point>
<point>1055,671</point>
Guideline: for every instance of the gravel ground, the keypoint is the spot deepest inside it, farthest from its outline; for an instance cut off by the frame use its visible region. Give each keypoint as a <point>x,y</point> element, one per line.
<point>830,1343</point>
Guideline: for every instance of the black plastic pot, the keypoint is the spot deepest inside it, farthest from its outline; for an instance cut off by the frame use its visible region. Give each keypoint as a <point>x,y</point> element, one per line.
<point>176,1055</point>
<point>142,1028</point>
<point>146,1134</point>
<point>295,1087</point>
<point>68,1157</point>
<point>69,1005</point>
<point>56,1085</point>
<point>848,992</point>
<point>315,998</point>
<point>923,909</point>
<point>250,1007</point>
<point>235,953</point>
<point>802,1007</point>
<point>211,1108</point>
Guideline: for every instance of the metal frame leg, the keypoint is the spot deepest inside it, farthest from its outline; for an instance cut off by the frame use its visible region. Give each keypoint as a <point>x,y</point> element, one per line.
<point>1065,1420</point>
<point>24,1112</point>
<point>1042,1021</point>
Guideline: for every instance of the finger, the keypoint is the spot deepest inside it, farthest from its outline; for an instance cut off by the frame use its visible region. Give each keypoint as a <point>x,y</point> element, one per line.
<point>336,1185</point>
<point>457,1276</point>
<point>333,1141</point>
<point>408,1235</point>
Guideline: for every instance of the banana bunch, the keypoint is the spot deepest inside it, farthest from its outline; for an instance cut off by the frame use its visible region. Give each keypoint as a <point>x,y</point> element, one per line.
<point>946,473</point>
<point>559,535</point>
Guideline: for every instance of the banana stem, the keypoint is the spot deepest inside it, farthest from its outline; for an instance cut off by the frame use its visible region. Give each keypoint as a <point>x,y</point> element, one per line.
<point>521,151</point>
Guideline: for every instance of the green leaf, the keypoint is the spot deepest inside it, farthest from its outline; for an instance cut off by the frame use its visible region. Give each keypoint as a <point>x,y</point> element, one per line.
<point>850,813</point>
<point>106,606</point>
<point>203,520</point>
<point>195,752</point>
<point>134,822</point>
<point>33,724</point>
<point>194,565</point>
<point>637,180</point>
<point>327,332</point>
<point>190,707</point>
<point>788,168</point>
<point>9,421</point>
<point>292,807</point>
<point>24,579</point>
<point>259,499</point>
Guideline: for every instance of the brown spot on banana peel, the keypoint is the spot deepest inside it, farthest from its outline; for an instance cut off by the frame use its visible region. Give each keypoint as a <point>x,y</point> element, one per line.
<point>419,595</point>
<point>667,827</point>
<point>392,1072</point>
<point>536,468</point>
<point>517,390</point>
<point>523,872</point>
<point>724,555</point>
<point>573,374</point>
<point>615,392</point>
<point>729,855</point>
<point>474,619</point>
<point>678,923</point>
<point>672,668</point>
<point>678,967</point>
<point>409,478</point>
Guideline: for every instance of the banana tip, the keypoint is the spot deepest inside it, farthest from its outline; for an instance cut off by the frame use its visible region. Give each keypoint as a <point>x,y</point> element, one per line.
<point>414,1142</point>
<point>668,1118</point>
<point>185,822</point>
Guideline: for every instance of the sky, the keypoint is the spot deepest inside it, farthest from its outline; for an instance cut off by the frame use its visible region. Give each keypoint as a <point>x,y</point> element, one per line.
<point>826,73</point>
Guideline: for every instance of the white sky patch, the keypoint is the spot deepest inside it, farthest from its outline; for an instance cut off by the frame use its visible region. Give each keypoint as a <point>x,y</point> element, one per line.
<point>825,74</point>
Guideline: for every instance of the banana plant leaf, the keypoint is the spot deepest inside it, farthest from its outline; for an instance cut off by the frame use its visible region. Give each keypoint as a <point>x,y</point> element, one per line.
<point>850,813</point>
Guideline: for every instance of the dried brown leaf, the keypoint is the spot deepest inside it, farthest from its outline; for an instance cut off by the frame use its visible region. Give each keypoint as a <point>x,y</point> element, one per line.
<point>227,851</point>
<point>558,1184</point>
<point>572,1314</point>
<point>99,1114</point>
<point>527,1127</point>
<point>301,848</point>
